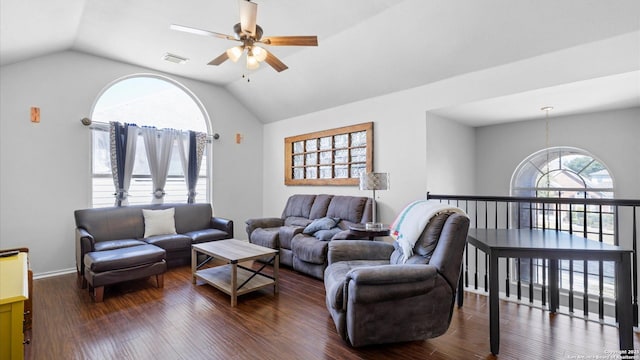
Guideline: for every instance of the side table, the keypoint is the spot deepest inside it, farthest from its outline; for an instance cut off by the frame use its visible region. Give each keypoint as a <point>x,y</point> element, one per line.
<point>361,231</point>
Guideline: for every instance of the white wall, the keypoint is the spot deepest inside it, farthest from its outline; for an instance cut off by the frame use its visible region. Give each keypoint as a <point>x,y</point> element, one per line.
<point>399,147</point>
<point>450,156</point>
<point>45,168</point>
<point>610,136</point>
<point>403,139</point>
<point>417,150</point>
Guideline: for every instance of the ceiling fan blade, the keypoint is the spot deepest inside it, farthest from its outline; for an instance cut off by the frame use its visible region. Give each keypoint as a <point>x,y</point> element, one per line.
<point>291,40</point>
<point>200,32</point>
<point>220,59</point>
<point>274,62</point>
<point>248,13</point>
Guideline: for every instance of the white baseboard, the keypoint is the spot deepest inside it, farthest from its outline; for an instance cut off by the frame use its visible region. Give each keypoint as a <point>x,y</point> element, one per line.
<point>54,273</point>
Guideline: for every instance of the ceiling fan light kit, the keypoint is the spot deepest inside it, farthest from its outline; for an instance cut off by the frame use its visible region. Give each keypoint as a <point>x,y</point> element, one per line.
<point>252,61</point>
<point>249,33</point>
<point>259,53</point>
<point>235,53</point>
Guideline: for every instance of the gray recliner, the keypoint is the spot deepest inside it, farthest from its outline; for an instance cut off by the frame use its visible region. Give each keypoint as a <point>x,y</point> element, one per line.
<point>375,298</point>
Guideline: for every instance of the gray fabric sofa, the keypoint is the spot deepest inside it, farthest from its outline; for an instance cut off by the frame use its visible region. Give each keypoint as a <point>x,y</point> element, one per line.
<point>105,229</point>
<point>375,298</point>
<point>307,253</point>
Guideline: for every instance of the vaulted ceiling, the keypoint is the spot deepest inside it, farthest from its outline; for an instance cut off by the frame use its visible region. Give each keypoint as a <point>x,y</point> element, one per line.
<point>366,48</point>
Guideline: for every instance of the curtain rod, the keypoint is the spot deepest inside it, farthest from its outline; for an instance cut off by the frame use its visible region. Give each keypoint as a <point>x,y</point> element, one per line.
<point>105,126</point>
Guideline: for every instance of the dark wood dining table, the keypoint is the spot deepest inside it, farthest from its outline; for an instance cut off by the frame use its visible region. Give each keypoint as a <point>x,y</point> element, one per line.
<point>554,246</point>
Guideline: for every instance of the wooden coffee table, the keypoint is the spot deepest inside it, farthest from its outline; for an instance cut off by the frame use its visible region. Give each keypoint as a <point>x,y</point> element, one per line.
<point>233,278</point>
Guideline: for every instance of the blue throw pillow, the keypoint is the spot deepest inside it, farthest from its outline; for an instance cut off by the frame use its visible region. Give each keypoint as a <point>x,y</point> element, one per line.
<point>326,235</point>
<point>324,223</point>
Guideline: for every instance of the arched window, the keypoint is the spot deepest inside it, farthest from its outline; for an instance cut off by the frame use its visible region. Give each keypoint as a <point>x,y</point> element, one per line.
<point>564,172</point>
<point>567,172</point>
<point>146,100</point>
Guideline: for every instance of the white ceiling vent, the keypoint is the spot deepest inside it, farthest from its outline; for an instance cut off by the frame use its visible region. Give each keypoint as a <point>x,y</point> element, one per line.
<point>174,58</point>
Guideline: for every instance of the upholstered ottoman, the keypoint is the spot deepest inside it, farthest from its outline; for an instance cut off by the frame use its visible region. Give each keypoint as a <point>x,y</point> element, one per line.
<point>113,266</point>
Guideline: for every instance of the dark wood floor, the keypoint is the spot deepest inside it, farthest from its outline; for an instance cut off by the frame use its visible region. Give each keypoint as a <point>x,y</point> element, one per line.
<point>183,321</point>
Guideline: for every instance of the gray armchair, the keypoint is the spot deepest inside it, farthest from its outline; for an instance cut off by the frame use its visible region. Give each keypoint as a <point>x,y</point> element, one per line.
<point>374,298</point>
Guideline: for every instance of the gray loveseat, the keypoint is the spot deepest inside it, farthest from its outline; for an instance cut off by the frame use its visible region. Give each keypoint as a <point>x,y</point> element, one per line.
<point>307,252</point>
<point>111,228</point>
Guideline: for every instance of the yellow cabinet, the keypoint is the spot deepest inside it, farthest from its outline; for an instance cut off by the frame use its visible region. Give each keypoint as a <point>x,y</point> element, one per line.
<point>14,291</point>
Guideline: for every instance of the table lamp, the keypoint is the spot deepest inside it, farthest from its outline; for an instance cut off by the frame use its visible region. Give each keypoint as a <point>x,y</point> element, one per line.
<point>374,181</point>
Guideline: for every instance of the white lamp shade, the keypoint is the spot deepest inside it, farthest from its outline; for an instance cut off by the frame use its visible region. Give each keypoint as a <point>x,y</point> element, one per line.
<point>374,181</point>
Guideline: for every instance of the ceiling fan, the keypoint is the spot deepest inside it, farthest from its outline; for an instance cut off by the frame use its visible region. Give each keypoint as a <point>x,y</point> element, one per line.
<point>249,34</point>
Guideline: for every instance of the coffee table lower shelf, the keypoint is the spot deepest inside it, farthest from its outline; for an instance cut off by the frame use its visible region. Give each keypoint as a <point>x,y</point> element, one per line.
<point>233,278</point>
<point>220,277</point>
